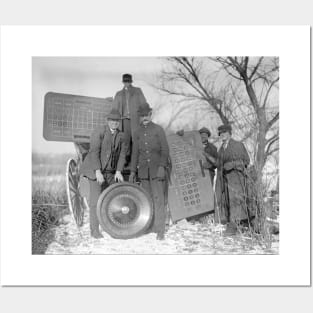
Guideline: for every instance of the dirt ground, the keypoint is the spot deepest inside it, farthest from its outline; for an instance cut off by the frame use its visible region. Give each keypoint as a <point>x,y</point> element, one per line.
<point>181,238</point>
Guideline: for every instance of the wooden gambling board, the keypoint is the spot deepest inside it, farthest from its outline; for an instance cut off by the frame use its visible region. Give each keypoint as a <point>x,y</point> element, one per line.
<point>73,118</point>
<point>190,189</point>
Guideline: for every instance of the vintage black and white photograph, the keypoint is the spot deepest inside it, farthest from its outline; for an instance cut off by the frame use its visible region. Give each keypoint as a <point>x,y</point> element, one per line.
<point>155,155</point>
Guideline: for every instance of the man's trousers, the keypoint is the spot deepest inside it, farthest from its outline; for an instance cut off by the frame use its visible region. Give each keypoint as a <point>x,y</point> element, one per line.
<point>95,192</point>
<point>156,189</point>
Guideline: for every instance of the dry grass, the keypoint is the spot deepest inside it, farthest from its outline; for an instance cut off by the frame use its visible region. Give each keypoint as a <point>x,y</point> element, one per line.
<point>49,201</point>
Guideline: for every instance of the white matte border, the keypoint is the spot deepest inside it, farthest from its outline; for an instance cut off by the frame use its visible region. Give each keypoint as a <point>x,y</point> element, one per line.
<point>20,43</point>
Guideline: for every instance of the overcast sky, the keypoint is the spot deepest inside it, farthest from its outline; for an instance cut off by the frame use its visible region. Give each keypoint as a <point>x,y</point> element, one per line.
<point>88,76</point>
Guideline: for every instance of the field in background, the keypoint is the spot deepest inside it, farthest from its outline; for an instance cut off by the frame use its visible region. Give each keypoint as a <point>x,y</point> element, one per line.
<point>49,201</point>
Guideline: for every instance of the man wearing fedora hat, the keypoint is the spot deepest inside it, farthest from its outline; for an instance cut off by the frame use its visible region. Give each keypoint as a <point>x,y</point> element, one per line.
<point>231,184</point>
<point>127,101</point>
<point>150,156</point>
<point>103,164</point>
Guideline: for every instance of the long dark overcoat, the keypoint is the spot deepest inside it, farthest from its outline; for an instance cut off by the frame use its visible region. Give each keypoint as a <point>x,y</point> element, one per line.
<point>231,184</point>
<point>136,99</point>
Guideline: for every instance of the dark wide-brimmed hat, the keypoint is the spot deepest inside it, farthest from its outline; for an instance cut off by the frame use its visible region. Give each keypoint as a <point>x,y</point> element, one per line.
<point>205,130</point>
<point>114,115</point>
<point>127,78</point>
<point>224,129</point>
<point>144,109</point>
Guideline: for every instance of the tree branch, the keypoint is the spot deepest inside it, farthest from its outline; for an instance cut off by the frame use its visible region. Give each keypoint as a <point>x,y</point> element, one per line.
<point>268,91</point>
<point>272,121</point>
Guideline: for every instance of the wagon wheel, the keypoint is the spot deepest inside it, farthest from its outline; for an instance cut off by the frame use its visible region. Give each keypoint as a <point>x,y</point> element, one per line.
<point>125,210</point>
<point>76,202</point>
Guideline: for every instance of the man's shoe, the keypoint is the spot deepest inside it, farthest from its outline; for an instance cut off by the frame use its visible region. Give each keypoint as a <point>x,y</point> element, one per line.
<point>96,235</point>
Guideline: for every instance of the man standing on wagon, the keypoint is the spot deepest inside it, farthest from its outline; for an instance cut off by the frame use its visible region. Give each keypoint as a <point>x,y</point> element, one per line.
<point>150,156</point>
<point>103,164</point>
<point>127,101</point>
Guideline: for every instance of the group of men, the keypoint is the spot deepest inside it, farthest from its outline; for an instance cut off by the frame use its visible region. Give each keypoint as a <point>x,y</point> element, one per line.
<point>129,134</point>
<point>231,186</point>
<point>131,138</point>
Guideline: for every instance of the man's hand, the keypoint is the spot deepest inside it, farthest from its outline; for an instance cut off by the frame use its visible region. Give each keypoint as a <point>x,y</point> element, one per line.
<point>99,177</point>
<point>118,176</point>
<point>161,172</point>
<point>132,177</point>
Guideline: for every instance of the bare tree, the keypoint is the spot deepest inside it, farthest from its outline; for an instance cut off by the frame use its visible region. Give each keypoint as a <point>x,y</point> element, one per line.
<point>241,90</point>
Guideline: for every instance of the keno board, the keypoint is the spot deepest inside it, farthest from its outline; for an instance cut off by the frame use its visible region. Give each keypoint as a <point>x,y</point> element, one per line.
<point>73,118</point>
<point>190,188</point>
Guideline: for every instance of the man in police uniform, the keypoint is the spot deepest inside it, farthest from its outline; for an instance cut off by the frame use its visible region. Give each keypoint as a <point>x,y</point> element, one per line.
<point>103,164</point>
<point>127,101</point>
<point>150,155</point>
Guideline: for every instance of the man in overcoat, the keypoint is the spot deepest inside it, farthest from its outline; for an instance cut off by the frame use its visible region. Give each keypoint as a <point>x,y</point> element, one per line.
<point>103,164</point>
<point>150,154</point>
<point>127,101</point>
<point>231,185</point>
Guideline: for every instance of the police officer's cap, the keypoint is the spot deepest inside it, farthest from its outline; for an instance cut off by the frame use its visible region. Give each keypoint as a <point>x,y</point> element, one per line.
<point>127,78</point>
<point>144,109</point>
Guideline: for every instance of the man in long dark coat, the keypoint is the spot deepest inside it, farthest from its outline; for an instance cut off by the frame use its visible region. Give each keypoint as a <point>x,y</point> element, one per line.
<point>150,156</point>
<point>231,185</point>
<point>103,164</point>
<point>127,101</point>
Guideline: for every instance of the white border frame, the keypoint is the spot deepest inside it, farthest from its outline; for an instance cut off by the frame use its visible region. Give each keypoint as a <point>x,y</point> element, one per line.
<point>20,43</point>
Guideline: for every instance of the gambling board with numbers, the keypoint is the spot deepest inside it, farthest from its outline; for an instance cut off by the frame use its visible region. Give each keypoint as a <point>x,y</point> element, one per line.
<point>73,118</point>
<point>190,189</point>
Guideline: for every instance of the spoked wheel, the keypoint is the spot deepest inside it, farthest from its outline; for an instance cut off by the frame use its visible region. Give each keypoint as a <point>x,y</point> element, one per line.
<point>76,202</point>
<point>124,210</point>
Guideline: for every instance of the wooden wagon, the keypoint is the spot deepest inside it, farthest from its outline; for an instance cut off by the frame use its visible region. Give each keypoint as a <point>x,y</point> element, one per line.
<point>124,210</point>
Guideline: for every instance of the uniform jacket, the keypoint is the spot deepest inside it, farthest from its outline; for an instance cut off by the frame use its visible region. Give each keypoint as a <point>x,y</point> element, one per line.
<point>106,152</point>
<point>150,150</point>
<point>136,99</point>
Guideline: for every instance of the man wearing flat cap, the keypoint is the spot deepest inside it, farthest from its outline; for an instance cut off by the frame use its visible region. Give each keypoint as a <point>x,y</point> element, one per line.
<point>103,164</point>
<point>210,152</point>
<point>127,101</point>
<point>150,154</point>
<point>231,183</point>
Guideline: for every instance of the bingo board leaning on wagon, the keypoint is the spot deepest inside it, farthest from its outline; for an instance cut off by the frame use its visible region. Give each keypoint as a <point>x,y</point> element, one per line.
<point>124,210</point>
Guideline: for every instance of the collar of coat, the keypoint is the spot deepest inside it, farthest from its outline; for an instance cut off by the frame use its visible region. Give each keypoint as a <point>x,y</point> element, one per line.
<point>148,125</point>
<point>229,142</point>
<point>107,130</point>
<point>130,89</point>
